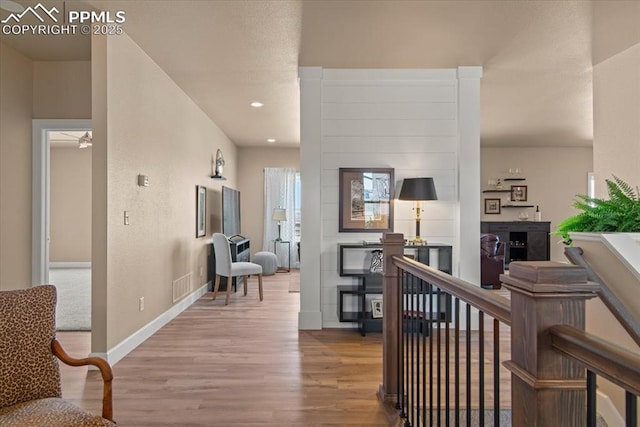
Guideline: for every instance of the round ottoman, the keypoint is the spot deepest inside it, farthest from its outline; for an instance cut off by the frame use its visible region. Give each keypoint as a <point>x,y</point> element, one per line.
<point>268,261</point>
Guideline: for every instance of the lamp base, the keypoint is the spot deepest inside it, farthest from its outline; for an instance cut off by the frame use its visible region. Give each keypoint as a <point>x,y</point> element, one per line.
<point>417,241</point>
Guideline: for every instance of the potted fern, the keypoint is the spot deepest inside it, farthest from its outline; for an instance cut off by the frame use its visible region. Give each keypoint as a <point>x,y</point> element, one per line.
<point>619,213</point>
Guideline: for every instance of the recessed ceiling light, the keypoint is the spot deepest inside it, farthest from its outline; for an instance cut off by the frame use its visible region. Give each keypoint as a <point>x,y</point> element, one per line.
<point>256,104</point>
<point>271,140</point>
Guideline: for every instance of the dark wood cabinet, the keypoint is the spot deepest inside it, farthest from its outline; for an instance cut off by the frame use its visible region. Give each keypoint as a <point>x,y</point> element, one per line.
<point>354,260</point>
<point>524,240</point>
<point>239,252</point>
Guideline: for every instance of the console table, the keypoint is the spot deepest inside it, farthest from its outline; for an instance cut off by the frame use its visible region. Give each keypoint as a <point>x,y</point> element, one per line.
<point>354,261</point>
<point>239,252</point>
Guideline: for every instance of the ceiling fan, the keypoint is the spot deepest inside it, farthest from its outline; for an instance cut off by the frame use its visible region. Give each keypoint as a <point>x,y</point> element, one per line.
<point>84,141</point>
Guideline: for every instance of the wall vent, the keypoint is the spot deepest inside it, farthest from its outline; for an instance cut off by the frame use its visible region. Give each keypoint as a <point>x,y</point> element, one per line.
<point>181,287</point>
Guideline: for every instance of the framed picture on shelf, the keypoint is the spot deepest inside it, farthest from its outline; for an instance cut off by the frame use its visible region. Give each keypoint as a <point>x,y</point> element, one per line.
<point>376,308</point>
<point>492,206</point>
<point>201,208</point>
<point>518,193</point>
<point>365,201</point>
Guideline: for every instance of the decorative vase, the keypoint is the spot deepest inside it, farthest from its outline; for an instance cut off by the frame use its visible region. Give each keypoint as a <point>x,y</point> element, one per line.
<point>376,262</point>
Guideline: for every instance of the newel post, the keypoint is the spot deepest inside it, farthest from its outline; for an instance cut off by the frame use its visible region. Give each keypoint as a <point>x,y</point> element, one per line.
<point>392,245</point>
<point>547,389</point>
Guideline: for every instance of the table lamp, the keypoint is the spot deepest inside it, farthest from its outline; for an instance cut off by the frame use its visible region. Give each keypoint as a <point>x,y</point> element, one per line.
<point>279,215</point>
<point>418,189</point>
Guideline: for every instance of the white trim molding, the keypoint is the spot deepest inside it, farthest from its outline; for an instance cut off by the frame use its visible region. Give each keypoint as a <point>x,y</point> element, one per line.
<point>127,345</point>
<point>41,165</point>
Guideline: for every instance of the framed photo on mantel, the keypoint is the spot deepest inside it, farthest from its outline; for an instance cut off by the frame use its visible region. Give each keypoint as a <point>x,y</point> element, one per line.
<point>365,200</point>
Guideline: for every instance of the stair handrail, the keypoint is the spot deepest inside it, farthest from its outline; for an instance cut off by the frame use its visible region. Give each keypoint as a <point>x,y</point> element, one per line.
<point>615,363</point>
<point>485,300</point>
<point>610,300</point>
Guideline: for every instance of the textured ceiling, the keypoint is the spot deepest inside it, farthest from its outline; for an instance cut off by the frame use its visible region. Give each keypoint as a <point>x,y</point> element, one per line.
<point>536,55</point>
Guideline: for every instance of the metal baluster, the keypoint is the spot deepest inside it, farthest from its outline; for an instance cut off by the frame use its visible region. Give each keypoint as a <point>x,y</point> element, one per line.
<point>412,366</point>
<point>430,354</point>
<point>591,398</point>
<point>439,349</point>
<point>423,331</point>
<point>481,367</point>
<point>468,351</point>
<point>446,361</point>
<point>631,409</point>
<point>457,363</point>
<point>496,372</point>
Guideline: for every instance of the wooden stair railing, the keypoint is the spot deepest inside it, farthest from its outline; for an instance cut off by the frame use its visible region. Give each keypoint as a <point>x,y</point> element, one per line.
<point>547,388</point>
<point>600,357</point>
<point>613,303</point>
<point>618,365</point>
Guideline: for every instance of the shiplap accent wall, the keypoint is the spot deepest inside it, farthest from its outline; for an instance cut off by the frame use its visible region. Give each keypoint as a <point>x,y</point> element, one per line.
<point>408,120</point>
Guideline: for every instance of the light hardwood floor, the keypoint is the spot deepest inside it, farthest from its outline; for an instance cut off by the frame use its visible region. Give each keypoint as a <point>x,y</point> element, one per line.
<point>245,364</point>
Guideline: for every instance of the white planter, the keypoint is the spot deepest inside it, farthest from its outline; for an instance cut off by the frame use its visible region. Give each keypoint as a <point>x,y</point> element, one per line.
<point>615,257</point>
<point>625,246</point>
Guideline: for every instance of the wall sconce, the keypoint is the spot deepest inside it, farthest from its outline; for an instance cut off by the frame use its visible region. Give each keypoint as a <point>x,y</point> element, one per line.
<point>217,164</point>
<point>418,189</point>
<point>279,215</point>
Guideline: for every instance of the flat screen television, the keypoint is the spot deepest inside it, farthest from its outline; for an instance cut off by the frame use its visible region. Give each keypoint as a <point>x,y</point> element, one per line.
<point>231,225</point>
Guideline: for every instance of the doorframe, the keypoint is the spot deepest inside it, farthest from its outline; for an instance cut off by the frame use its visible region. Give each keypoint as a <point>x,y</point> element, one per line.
<point>41,187</point>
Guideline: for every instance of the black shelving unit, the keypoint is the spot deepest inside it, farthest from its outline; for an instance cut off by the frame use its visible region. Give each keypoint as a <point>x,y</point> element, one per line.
<point>371,284</point>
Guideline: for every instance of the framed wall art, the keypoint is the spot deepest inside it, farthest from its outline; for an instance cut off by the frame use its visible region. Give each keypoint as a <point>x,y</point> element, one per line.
<point>376,308</point>
<point>201,209</point>
<point>492,206</point>
<point>518,193</point>
<point>365,200</point>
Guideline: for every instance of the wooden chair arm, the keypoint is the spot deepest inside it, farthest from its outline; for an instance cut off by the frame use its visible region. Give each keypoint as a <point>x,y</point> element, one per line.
<point>101,364</point>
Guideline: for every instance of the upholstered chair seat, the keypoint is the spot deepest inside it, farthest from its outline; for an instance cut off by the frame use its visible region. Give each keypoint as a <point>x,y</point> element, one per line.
<point>50,411</point>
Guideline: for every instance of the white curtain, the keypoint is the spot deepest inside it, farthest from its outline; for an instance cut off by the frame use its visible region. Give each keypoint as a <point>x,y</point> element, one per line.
<point>279,192</point>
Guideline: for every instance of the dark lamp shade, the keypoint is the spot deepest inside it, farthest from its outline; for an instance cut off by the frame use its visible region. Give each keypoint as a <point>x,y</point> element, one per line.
<point>418,189</point>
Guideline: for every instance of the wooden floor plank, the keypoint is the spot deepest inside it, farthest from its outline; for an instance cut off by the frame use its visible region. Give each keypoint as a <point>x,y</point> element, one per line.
<point>245,364</point>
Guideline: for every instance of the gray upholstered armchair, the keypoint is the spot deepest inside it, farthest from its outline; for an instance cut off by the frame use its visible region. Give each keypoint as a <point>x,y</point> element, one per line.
<point>30,389</point>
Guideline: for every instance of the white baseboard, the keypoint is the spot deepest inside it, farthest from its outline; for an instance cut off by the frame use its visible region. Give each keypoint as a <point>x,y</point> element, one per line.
<point>53,265</point>
<point>607,410</point>
<point>127,345</point>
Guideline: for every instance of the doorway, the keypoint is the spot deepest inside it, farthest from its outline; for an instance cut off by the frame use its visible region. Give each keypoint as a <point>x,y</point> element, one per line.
<point>62,217</point>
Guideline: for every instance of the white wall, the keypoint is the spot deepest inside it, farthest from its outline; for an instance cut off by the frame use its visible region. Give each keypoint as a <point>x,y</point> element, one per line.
<point>414,121</point>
